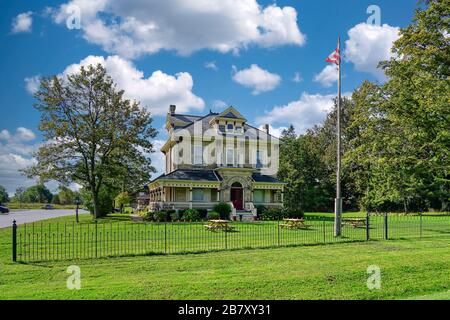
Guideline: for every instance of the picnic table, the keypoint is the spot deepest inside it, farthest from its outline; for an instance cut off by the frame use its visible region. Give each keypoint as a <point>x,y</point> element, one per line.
<point>215,225</point>
<point>295,224</point>
<point>354,222</point>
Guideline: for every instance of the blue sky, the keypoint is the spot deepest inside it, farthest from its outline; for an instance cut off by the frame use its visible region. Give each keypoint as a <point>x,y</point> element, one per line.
<point>199,55</point>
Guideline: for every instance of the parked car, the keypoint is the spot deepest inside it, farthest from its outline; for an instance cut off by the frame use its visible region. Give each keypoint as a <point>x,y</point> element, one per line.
<point>48,207</point>
<point>4,209</point>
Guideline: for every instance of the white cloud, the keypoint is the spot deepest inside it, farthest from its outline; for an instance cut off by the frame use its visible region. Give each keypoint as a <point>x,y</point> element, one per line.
<point>327,76</point>
<point>309,110</point>
<point>368,45</point>
<point>158,158</point>
<point>211,65</point>
<point>157,91</point>
<point>276,132</point>
<point>32,84</point>
<point>297,77</point>
<point>258,79</point>
<point>219,105</point>
<point>16,150</point>
<point>25,134</point>
<point>22,22</point>
<point>135,27</point>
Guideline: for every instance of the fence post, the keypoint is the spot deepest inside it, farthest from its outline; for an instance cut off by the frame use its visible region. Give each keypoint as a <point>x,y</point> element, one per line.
<point>14,241</point>
<point>367,226</point>
<point>386,232</point>
<point>226,244</point>
<point>165,237</point>
<point>323,227</point>
<point>278,232</point>
<point>96,238</point>
<point>421,224</point>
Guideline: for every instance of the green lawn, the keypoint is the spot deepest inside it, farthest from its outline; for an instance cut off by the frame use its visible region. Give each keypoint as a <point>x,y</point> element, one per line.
<point>411,269</point>
<point>116,235</point>
<point>20,206</point>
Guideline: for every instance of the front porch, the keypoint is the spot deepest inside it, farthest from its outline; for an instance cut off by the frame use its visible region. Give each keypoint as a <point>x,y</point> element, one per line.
<point>184,189</point>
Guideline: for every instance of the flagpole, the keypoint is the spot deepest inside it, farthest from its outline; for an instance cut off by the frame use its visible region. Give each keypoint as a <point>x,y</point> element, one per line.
<point>338,200</point>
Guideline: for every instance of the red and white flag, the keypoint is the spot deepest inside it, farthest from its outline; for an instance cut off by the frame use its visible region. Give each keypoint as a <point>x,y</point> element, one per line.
<point>334,57</point>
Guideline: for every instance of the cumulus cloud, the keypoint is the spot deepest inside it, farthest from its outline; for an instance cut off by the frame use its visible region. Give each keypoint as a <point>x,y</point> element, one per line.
<point>16,150</point>
<point>22,22</point>
<point>258,79</point>
<point>32,84</point>
<point>135,27</point>
<point>156,92</point>
<point>327,76</point>
<point>276,132</point>
<point>219,104</point>
<point>158,158</point>
<point>368,45</point>
<point>309,110</point>
<point>211,65</point>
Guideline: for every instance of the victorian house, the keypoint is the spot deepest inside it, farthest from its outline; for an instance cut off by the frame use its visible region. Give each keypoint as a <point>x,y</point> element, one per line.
<point>215,158</point>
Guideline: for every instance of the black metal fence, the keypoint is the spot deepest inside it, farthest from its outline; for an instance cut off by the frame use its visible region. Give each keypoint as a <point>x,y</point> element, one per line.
<point>66,241</point>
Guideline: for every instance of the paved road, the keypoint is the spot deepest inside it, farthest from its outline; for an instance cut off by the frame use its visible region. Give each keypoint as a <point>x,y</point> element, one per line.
<point>26,216</point>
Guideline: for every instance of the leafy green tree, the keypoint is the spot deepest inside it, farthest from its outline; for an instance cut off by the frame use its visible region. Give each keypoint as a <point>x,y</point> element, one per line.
<point>122,200</point>
<point>3,195</point>
<point>19,195</point>
<point>37,194</point>
<point>56,199</point>
<point>66,195</point>
<point>94,135</point>
<point>105,199</point>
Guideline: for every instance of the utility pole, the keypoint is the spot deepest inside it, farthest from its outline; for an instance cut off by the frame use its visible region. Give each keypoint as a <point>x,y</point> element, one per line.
<point>338,200</point>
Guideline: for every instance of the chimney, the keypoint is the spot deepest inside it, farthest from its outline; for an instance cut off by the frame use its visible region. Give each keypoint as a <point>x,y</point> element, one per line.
<point>266,128</point>
<point>172,109</point>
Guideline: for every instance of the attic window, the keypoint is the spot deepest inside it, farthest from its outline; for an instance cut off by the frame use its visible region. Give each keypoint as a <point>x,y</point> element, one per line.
<point>222,128</point>
<point>230,127</point>
<point>239,129</point>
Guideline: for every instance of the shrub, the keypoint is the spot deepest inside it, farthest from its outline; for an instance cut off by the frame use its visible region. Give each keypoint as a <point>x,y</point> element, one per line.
<point>271,214</point>
<point>160,216</point>
<point>212,215</point>
<point>191,215</point>
<point>260,209</point>
<point>203,213</point>
<point>174,216</point>
<point>292,213</point>
<point>224,210</point>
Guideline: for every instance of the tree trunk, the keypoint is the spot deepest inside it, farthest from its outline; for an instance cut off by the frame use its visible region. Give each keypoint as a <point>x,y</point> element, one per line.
<point>97,212</point>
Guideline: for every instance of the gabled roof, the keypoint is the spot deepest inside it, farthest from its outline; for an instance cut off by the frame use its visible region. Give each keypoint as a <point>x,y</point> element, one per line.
<point>231,112</point>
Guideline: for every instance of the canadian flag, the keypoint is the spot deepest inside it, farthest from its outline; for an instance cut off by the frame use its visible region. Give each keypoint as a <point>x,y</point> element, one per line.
<point>334,57</point>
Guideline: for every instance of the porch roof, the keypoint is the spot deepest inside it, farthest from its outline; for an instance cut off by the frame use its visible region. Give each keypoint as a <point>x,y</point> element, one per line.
<point>257,177</point>
<point>190,175</point>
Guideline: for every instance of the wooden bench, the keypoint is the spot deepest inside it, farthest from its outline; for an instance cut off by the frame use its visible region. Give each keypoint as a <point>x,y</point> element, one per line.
<point>295,224</point>
<point>354,222</point>
<point>215,225</point>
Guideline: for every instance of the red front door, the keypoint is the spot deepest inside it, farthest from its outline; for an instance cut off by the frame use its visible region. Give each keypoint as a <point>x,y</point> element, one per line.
<point>237,197</point>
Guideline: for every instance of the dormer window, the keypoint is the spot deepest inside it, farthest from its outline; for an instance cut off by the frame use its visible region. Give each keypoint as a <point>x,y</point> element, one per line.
<point>239,129</point>
<point>230,127</point>
<point>221,128</point>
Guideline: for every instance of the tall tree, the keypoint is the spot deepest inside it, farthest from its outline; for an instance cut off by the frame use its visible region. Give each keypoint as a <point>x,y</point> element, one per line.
<point>94,135</point>
<point>3,195</point>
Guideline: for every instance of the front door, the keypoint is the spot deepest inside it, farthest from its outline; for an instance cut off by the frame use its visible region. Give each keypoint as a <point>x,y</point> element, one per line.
<point>237,197</point>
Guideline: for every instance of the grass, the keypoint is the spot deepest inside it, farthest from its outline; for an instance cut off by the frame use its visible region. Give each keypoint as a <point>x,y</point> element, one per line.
<point>116,235</point>
<point>411,269</point>
<point>17,206</point>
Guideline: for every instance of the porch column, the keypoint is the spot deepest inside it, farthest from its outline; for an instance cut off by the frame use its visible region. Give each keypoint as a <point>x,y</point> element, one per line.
<point>190,197</point>
<point>164,194</point>
<point>282,196</point>
<point>218,195</point>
